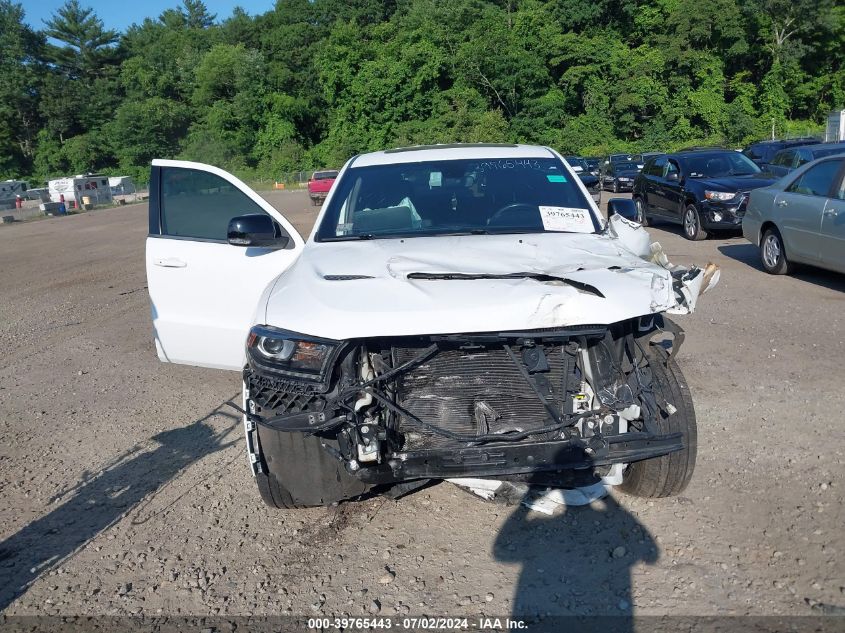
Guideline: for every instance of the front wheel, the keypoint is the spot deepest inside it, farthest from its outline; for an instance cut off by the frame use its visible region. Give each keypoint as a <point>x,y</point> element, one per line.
<point>692,224</point>
<point>773,253</point>
<point>670,474</point>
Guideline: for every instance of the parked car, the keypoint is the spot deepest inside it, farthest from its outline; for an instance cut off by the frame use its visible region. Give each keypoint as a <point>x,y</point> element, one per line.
<point>320,184</point>
<point>703,190</point>
<point>619,175</point>
<point>763,152</point>
<point>800,218</point>
<point>578,164</point>
<point>788,159</point>
<point>457,311</point>
<point>594,163</point>
<point>591,182</point>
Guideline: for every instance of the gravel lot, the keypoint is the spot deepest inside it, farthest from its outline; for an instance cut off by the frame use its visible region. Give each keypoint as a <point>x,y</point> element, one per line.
<point>125,489</point>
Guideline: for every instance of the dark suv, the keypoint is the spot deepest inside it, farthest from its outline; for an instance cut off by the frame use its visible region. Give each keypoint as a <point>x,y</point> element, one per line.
<point>703,190</point>
<point>792,158</point>
<point>763,152</point>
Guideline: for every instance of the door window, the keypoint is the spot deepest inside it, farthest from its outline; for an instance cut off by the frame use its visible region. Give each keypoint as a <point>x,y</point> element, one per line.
<point>671,168</point>
<point>817,180</point>
<point>803,157</point>
<point>753,153</point>
<point>656,167</point>
<point>784,158</point>
<point>839,192</point>
<point>199,204</point>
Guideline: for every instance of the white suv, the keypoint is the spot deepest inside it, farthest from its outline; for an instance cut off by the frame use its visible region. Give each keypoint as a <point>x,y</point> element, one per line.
<point>458,311</point>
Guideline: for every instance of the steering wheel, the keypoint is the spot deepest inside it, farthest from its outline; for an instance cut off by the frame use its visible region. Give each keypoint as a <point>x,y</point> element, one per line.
<point>513,209</point>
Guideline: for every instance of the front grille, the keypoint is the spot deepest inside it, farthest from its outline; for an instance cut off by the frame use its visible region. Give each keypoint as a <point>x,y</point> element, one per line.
<point>281,397</point>
<point>473,392</point>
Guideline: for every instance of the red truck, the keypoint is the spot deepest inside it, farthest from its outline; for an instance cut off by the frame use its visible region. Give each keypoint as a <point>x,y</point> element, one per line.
<point>320,184</point>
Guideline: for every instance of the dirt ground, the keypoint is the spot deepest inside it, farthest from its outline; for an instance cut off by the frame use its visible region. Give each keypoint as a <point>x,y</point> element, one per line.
<point>125,488</point>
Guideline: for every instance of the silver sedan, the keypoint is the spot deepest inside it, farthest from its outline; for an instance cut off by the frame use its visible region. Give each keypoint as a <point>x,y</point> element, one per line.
<point>800,218</point>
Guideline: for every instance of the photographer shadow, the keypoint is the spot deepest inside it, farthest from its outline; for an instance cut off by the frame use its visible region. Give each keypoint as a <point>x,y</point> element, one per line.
<point>576,566</point>
<point>99,501</point>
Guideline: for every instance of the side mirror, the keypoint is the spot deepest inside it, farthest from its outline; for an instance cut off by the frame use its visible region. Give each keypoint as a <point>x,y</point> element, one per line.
<point>673,176</point>
<point>624,207</point>
<point>256,230</point>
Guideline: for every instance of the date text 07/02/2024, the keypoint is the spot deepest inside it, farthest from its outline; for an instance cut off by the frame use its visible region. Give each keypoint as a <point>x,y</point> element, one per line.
<point>412,623</point>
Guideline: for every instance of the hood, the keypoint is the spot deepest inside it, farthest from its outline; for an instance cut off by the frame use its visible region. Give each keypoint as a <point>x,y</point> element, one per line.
<point>460,284</point>
<point>737,183</point>
<point>628,173</point>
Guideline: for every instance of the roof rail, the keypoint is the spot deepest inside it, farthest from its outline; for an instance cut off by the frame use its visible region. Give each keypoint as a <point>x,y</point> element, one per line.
<point>416,148</point>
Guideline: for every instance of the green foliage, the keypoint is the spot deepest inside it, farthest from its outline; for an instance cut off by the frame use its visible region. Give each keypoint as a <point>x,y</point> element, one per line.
<point>312,82</point>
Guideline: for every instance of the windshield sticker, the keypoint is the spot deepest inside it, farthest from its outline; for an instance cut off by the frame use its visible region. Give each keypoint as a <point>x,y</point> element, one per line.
<point>556,178</point>
<point>569,219</point>
<point>435,179</point>
<point>509,163</point>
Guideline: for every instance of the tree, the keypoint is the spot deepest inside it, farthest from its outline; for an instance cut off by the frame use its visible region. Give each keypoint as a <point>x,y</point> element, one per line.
<point>19,68</point>
<point>88,47</point>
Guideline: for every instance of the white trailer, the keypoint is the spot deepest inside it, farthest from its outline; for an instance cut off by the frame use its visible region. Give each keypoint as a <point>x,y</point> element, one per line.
<point>92,186</point>
<point>11,189</point>
<point>835,130</point>
<point>121,185</point>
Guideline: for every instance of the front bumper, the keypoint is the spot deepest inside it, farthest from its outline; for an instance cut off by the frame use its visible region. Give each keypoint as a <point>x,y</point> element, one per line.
<point>514,459</point>
<point>472,405</point>
<point>724,215</point>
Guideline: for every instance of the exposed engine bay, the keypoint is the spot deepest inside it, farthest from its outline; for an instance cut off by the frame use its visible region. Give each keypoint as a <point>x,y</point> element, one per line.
<point>498,404</point>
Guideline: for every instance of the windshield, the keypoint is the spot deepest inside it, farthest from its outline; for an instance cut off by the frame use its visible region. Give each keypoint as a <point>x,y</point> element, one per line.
<point>449,197</point>
<point>719,165</point>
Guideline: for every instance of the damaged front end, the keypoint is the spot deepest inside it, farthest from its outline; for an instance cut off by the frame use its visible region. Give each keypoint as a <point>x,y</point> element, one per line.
<point>544,406</point>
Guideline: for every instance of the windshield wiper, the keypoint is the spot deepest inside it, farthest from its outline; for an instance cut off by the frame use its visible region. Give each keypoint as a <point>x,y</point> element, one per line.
<point>345,238</point>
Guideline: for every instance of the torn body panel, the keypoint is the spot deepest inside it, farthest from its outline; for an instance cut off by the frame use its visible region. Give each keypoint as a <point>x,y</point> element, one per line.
<point>470,283</point>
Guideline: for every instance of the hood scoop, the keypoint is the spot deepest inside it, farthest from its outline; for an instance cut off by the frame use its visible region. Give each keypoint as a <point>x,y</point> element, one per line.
<point>542,278</point>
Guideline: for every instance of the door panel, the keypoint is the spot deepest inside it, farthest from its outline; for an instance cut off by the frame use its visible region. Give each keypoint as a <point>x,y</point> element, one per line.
<point>800,219</point>
<point>672,192</point>
<point>652,185</point>
<point>832,240</point>
<point>204,291</point>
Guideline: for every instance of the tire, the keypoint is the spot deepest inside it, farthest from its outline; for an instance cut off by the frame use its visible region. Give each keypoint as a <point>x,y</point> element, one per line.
<point>642,218</point>
<point>773,253</point>
<point>691,223</point>
<point>667,475</point>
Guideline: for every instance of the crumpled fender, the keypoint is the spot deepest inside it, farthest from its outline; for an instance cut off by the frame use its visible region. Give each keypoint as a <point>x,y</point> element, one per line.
<point>688,283</point>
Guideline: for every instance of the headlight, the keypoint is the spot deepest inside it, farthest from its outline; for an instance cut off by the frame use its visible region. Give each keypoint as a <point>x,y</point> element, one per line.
<point>290,353</point>
<point>719,195</point>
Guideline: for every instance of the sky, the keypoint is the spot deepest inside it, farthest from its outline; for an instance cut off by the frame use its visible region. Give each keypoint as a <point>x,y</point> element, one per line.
<point>119,15</point>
